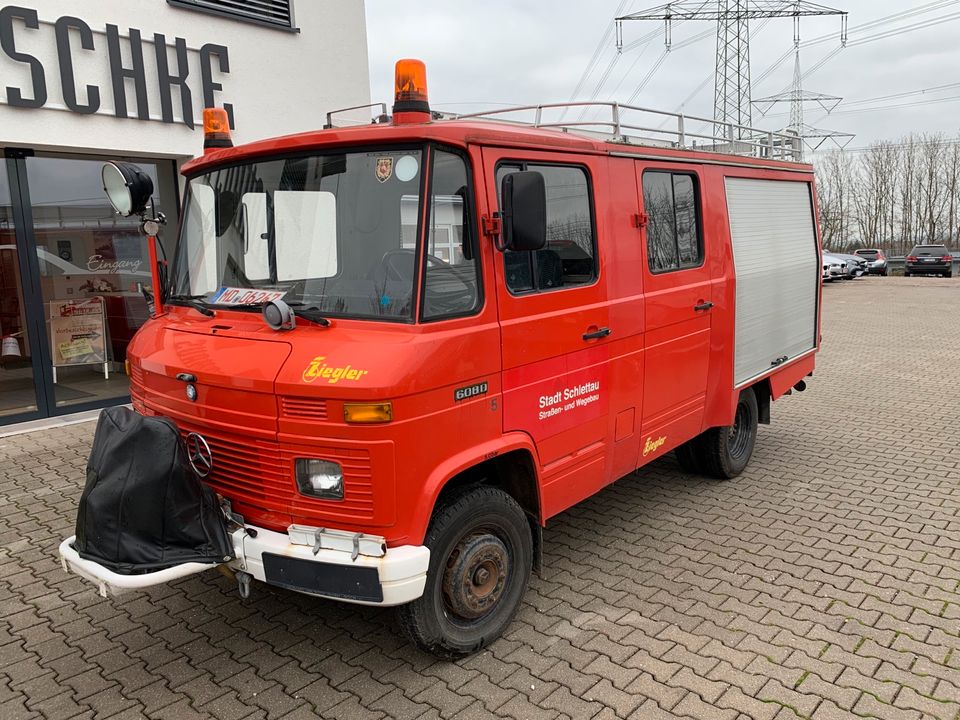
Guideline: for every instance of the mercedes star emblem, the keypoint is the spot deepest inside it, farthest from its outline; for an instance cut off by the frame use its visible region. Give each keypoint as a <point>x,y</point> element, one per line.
<point>199,454</point>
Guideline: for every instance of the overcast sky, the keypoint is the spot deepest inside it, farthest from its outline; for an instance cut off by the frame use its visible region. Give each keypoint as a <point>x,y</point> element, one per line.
<point>530,51</point>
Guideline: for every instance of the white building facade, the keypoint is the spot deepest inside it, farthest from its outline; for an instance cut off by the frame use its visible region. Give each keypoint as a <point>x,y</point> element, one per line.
<point>82,83</point>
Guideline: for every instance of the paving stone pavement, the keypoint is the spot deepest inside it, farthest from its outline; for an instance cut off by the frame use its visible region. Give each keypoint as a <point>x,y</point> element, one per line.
<point>822,583</point>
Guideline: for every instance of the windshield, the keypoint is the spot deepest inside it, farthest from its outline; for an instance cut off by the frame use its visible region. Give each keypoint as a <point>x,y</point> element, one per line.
<point>336,233</point>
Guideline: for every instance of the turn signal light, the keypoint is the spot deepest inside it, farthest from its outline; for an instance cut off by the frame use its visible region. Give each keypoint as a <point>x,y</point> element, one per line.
<point>368,412</point>
<point>216,129</point>
<point>410,87</point>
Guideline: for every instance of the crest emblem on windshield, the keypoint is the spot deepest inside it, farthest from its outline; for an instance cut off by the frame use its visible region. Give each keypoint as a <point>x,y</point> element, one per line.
<point>199,454</point>
<point>384,169</point>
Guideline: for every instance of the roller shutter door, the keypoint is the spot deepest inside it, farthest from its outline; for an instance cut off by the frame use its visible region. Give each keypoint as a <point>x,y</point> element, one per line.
<point>778,272</point>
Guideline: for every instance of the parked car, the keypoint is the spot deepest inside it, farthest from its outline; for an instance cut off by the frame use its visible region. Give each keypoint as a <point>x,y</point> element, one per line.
<point>929,260</point>
<point>833,268</point>
<point>876,260</point>
<point>854,266</point>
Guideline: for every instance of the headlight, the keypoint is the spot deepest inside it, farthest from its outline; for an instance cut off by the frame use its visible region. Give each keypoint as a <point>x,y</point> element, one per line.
<point>320,478</point>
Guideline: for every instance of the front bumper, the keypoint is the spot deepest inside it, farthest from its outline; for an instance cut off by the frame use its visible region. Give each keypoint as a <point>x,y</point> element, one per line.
<point>362,575</point>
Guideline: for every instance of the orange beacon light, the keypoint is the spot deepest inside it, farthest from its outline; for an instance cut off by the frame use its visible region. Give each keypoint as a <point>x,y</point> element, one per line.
<point>410,90</point>
<point>216,129</point>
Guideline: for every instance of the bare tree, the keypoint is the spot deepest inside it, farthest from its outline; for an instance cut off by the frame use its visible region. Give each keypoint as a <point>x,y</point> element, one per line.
<point>835,187</point>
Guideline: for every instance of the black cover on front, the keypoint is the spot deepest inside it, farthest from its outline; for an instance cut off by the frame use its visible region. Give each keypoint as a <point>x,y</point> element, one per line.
<point>143,508</point>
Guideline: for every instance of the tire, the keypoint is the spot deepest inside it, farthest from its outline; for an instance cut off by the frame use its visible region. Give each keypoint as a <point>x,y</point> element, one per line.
<point>725,451</point>
<point>688,455</point>
<point>948,275</point>
<point>906,274</point>
<point>481,556</point>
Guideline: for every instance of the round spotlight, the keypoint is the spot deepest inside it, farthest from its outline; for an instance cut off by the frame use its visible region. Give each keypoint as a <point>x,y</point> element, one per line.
<point>278,315</point>
<point>128,188</point>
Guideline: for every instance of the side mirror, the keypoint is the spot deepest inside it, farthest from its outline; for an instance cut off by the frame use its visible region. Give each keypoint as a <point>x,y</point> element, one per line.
<point>524,211</point>
<point>127,187</point>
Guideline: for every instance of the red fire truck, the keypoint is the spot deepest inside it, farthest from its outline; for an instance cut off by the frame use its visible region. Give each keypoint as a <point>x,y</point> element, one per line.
<point>397,349</point>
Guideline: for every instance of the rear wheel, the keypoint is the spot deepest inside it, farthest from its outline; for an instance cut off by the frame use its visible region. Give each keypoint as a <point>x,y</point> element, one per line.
<point>724,452</point>
<point>906,274</point>
<point>481,556</point>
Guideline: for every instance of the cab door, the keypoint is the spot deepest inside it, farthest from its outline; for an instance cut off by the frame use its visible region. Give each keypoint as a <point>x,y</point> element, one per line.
<point>555,331</point>
<point>678,308</point>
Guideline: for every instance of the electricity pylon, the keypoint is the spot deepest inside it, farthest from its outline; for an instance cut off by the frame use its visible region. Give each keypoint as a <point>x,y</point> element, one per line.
<point>732,100</point>
<point>810,136</point>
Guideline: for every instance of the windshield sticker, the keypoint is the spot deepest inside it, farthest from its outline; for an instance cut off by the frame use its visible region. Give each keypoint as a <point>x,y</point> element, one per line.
<point>245,296</point>
<point>407,168</point>
<point>384,168</point>
<point>319,369</point>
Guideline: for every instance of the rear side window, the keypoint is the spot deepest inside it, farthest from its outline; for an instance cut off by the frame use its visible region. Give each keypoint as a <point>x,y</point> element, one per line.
<point>569,258</point>
<point>673,221</point>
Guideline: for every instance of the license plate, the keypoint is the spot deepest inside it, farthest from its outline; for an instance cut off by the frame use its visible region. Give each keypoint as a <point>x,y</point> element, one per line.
<point>339,581</point>
<point>928,259</point>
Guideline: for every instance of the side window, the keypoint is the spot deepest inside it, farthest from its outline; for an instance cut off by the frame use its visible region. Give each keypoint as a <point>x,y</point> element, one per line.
<point>673,225</point>
<point>569,257</point>
<point>451,286</point>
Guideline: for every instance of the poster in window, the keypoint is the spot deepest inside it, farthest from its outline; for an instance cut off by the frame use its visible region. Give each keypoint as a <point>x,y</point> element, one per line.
<point>77,332</point>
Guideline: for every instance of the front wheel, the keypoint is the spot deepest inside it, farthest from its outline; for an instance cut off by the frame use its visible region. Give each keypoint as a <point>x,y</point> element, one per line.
<point>481,556</point>
<point>724,452</point>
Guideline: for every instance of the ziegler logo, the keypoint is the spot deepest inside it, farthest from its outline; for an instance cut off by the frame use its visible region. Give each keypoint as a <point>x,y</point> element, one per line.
<point>651,445</point>
<point>319,369</point>
<point>470,391</point>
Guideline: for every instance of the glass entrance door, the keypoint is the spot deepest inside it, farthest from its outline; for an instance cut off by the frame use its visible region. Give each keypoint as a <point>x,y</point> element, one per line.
<point>18,385</point>
<point>71,272</point>
<point>91,264</point>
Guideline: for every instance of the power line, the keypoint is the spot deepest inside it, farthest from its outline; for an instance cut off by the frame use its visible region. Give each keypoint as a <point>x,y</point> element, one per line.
<point>869,25</point>
<point>604,43</point>
<point>945,142</point>
<point>921,91</point>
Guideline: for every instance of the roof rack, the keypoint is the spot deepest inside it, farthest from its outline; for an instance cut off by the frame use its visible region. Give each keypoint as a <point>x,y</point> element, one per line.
<point>685,131</point>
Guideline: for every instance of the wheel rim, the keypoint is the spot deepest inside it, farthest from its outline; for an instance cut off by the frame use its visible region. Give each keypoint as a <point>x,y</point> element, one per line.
<point>475,576</point>
<point>738,439</point>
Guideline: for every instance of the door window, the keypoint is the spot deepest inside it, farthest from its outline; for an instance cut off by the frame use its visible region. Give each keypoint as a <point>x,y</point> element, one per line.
<point>17,386</point>
<point>451,287</point>
<point>673,228</point>
<point>569,258</point>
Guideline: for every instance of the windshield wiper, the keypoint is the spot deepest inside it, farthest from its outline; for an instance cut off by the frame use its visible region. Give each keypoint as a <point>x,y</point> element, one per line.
<point>194,302</point>
<point>310,314</point>
<point>307,313</point>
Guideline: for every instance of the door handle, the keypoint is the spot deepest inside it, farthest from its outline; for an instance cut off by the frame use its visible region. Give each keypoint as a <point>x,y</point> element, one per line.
<point>703,306</point>
<point>596,334</point>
